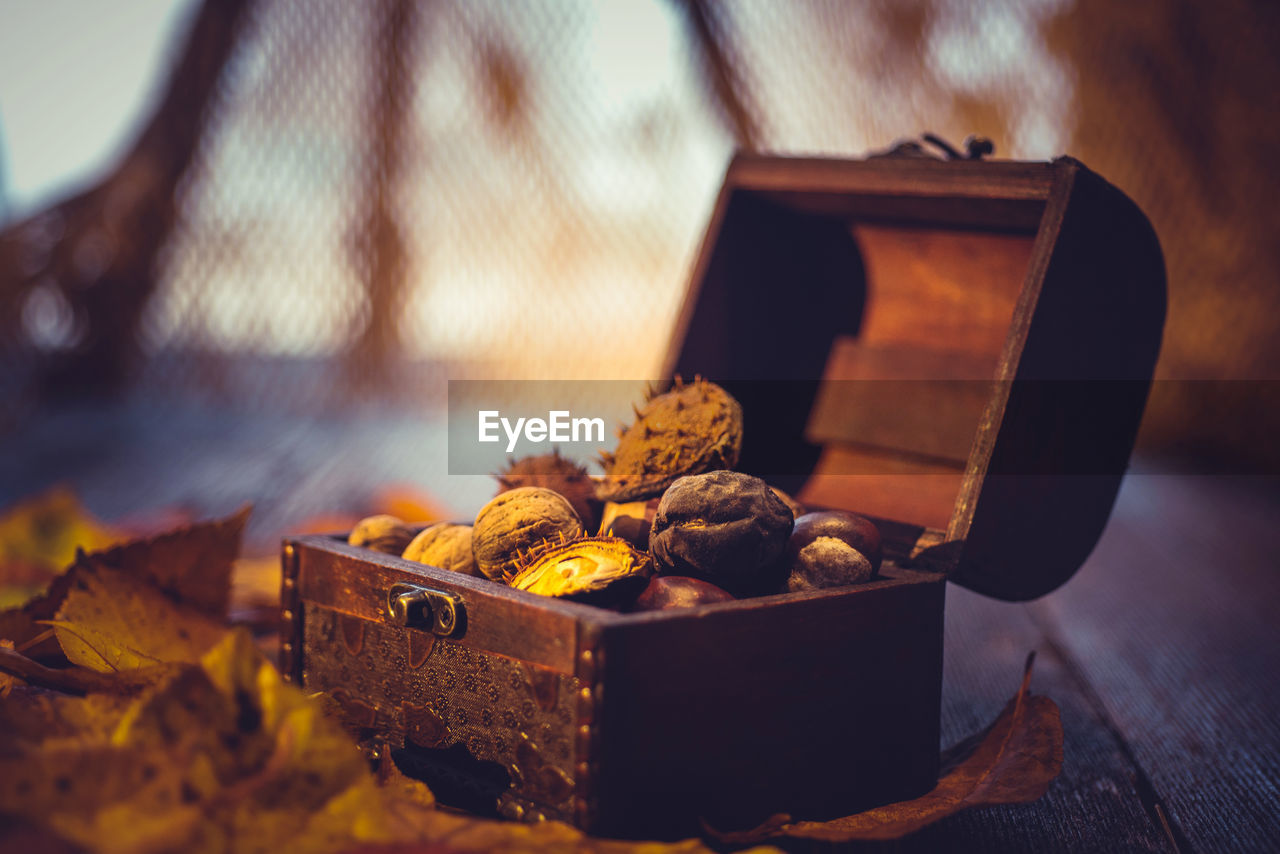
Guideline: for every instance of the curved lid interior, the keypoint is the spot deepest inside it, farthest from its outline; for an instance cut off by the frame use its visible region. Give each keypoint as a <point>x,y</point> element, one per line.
<point>959,349</point>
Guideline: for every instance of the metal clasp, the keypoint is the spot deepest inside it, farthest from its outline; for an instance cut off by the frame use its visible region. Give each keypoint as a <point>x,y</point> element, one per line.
<point>975,148</point>
<point>417,607</point>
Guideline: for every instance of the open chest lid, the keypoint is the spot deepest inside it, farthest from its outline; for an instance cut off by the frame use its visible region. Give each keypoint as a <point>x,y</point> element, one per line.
<point>961,349</point>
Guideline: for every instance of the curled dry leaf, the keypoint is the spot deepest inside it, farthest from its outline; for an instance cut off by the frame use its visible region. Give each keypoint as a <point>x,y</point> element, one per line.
<point>75,680</point>
<point>221,756</point>
<point>1012,762</point>
<point>110,621</point>
<point>190,565</point>
<point>224,755</point>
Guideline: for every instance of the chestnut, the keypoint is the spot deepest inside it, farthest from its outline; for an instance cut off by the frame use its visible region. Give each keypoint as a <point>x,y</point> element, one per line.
<point>678,591</point>
<point>723,527</point>
<point>843,525</point>
<point>831,548</point>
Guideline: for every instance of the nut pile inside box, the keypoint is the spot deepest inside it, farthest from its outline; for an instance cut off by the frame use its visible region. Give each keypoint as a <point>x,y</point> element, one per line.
<point>676,527</point>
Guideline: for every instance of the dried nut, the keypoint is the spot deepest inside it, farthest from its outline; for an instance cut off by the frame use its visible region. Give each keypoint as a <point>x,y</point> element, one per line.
<point>381,533</point>
<point>723,527</point>
<point>855,530</point>
<point>446,546</point>
<point>516,521</point>
<point>797,509</point>
<point>827,562</point>
<point>600,570</point>
<point>691,429</point>
<point>831,549</point>
<point>678,591</point>
<point>559,474</point>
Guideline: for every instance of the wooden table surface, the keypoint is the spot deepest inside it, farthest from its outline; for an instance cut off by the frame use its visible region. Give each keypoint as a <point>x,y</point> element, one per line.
<point>1163,652</point>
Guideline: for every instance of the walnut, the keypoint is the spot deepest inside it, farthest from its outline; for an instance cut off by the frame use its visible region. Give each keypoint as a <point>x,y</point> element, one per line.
<point>516,521</point>
<point>381,533</point>
<point>446,546</point>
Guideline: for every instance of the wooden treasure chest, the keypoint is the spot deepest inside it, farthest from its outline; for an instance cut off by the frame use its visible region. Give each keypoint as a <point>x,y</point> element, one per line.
<point>960,350</point>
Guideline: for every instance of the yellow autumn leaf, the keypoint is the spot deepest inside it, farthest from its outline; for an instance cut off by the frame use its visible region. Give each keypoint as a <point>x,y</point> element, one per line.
<point>110,621</point>
<point>226,756</point>
<point>190,565</point>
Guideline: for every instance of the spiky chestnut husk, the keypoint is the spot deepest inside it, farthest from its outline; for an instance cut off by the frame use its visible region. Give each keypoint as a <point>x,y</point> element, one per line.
<point>560,474</point>
<point>515,521</point>
<point>691,429</point>
<point>382,533</point>
<point>603,571</point>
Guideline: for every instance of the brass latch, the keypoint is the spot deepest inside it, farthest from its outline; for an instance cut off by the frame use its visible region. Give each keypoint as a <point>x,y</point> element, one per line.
<point>417,607</point>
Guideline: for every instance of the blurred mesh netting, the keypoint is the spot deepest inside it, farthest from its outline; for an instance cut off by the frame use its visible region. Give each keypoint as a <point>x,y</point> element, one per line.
<point>378,195</point>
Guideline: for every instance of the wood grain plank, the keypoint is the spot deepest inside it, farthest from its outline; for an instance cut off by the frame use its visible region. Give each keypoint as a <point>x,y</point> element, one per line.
<point>1173,620</point>
<point>1095,804</point>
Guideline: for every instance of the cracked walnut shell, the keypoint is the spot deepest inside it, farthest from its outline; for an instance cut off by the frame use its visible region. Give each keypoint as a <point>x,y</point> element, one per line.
<point>516,521</point>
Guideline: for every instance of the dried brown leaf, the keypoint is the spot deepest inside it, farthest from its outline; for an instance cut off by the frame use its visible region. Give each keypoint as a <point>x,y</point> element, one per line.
<point>191,565</point>
<point>225,755</point>
<point>75,680</point>
<point>221,756</point>
<point>30,716</point>
<point>1013,762</point>
<point>110,621</point>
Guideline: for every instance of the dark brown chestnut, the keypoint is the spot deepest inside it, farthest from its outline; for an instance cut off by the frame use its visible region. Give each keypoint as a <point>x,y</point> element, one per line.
<point>843,525</point>
<point>831,549</point>
<point>678,591</point>
<point>724,527</point>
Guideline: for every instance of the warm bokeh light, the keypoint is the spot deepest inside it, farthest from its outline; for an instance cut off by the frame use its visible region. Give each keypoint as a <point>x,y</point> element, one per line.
<point>528,197</point>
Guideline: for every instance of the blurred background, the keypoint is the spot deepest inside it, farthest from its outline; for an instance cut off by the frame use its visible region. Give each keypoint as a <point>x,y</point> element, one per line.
<point>217,218</point>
